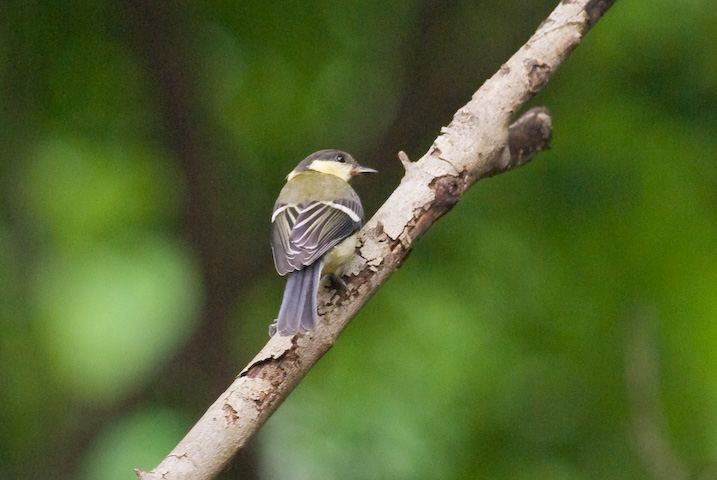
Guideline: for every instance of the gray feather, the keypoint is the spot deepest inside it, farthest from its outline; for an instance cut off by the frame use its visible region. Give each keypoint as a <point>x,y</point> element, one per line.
<point>302,233</point>
<point>298,307</point>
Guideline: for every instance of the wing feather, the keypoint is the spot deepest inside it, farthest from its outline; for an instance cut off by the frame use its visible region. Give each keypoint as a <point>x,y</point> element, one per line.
<point>302,233</point>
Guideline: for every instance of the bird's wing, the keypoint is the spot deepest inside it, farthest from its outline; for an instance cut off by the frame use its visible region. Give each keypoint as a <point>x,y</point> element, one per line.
<point>302,233</point>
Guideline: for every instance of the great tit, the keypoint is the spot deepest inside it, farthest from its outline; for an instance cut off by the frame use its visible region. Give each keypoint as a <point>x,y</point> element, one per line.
<point>315,225</point>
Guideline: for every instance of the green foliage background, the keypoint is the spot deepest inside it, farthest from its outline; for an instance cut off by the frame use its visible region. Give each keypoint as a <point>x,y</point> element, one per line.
<point>540,331</point>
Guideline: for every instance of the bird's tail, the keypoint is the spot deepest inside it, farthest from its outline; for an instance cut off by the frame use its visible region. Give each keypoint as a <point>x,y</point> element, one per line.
<point>298,307</point>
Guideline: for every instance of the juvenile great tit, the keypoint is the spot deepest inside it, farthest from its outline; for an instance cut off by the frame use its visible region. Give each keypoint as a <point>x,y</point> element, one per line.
<point>315,225</point>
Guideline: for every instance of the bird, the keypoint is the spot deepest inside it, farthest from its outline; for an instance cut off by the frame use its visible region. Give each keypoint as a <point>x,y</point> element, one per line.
<point>315,223</point>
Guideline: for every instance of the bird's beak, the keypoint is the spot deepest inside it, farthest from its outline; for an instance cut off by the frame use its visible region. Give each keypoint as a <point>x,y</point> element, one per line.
<point>362,170</point>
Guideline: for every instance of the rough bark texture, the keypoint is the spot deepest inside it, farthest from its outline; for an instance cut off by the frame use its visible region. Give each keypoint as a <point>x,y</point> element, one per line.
<point>478,143</point>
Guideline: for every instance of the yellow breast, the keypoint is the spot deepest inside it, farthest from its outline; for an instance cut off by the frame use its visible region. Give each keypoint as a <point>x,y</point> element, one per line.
<point>339,255</point>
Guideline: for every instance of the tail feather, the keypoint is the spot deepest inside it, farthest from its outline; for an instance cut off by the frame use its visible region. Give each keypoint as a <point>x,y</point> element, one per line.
<point>298,307</point>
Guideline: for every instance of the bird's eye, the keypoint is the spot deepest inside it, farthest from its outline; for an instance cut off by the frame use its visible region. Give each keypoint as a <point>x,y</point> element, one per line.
<point>340,158</point>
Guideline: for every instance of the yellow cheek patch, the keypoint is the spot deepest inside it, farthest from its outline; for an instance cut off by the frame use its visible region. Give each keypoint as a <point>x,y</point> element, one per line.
<point>341,170</point>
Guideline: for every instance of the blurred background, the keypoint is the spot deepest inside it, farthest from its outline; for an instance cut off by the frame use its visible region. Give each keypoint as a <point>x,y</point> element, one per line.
<point>559,323</point>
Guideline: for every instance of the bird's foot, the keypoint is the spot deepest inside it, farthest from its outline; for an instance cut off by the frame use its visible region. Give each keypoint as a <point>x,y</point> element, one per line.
<point>338,283</point>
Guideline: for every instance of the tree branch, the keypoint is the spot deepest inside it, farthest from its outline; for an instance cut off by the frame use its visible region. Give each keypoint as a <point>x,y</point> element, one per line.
<point>478,143</point>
